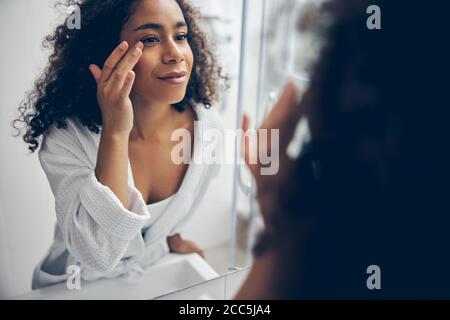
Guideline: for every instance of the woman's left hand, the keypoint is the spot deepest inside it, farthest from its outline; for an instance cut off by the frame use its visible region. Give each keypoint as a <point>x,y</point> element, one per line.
<point>179,245</point>
<point>283,117</point>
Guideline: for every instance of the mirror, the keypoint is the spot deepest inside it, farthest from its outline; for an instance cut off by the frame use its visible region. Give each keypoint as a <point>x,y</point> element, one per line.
<point>279,43</point>
<point>225,222</point>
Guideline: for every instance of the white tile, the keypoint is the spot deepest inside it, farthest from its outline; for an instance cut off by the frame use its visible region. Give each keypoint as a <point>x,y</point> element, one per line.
<point>233,282</point>
<point>211,289</point>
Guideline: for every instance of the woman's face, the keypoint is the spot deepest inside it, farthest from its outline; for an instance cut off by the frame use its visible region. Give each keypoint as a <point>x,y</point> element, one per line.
<point>164,69</point>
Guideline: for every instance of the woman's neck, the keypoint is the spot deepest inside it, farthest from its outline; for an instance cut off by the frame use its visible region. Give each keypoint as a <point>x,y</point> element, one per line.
<point>151,120</point>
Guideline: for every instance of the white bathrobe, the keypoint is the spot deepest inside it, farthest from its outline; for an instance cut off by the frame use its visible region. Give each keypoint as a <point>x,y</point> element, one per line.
<point>94,230</point>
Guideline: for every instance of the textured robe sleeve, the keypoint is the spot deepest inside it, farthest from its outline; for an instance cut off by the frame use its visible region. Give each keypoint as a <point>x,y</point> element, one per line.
<point>96,227</point>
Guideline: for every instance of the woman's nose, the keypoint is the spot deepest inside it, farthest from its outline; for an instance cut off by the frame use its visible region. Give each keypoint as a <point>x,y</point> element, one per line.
<point>172,54</point>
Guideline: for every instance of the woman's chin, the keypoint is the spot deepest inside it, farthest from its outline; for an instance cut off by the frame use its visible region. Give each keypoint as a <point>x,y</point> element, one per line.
<point>168,99</point>
<point>176,99</point>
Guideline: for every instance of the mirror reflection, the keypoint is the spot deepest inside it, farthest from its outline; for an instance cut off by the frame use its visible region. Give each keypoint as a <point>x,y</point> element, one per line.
<point>123,182</point>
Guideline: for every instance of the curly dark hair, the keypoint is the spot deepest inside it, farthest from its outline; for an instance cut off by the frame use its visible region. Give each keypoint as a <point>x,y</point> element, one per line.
<point>66,88</point>
<point>371,187</point>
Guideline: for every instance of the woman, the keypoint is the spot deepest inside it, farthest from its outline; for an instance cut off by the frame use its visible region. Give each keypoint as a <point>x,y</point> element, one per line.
<point>120,199</point>
<point>363,212</point>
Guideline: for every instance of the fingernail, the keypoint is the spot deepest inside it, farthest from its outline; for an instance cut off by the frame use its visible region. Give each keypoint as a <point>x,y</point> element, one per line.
<point>140,45</point>
<point>137,52</point>
<point>123,45</point>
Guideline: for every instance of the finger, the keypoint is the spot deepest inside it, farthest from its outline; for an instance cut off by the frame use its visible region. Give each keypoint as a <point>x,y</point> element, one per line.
<point>246,144</point>
<point>125,65</point>
<point>128,84</point>
<point>285,115</point>
<point>284,109</point>
<point>112,60</point>
<point>245,122</point>
<point>95,71</point>
<point>198,250</point>
<point>195,248</point>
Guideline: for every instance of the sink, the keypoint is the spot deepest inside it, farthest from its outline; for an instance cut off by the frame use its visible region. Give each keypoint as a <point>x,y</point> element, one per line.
<point>172,273</point>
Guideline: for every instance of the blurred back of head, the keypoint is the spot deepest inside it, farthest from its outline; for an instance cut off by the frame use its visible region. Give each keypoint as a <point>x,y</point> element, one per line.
<point>370,188</point>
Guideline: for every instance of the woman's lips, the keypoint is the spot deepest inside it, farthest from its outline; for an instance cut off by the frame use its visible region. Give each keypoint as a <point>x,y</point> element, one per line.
<point>174,79</point>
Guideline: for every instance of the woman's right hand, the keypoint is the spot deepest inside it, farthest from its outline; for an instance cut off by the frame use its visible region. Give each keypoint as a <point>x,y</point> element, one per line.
<point>114,85</point>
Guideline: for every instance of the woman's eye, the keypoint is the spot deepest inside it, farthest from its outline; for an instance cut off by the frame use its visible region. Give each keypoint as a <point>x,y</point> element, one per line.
<point>150,40</point>
<point>181,37</point>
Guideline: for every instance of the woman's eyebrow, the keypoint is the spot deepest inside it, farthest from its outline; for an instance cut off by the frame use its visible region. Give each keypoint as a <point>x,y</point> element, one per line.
<point>157,26</point>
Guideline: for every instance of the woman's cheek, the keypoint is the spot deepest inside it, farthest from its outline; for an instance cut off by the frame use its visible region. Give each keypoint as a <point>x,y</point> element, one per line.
<point>143,74</point>
<point>190,59</point>
<point>140,81</point>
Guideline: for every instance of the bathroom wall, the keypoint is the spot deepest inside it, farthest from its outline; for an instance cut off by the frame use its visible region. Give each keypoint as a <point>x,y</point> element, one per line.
<point>26,203</point>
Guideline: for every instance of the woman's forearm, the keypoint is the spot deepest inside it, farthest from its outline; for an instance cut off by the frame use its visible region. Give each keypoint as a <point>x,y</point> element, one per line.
<point>112,164</point>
